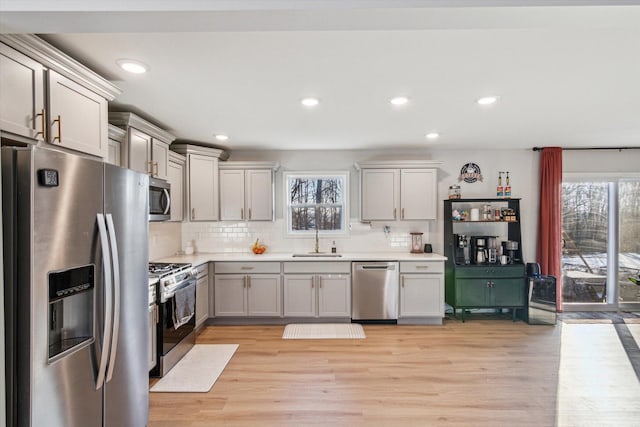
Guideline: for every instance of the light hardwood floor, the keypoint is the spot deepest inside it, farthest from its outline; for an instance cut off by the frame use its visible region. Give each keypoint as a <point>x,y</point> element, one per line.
<point>478,373</point>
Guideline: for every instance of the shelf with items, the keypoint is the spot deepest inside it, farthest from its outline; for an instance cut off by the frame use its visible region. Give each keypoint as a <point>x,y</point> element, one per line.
<point>474,274</point>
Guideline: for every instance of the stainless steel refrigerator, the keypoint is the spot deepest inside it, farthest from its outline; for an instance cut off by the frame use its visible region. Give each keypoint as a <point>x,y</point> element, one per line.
<point>76,283</point>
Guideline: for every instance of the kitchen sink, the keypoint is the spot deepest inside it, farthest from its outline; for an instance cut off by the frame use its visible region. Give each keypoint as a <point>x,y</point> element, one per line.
<point>317,255</point>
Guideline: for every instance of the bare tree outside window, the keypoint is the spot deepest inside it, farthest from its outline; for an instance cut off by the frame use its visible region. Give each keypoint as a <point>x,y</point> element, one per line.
<point>316,202</point>
<point>585,227</point>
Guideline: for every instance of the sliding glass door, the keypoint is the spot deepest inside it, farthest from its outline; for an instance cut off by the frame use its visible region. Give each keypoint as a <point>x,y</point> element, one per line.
<point>629,256</point>
<point>600,244</point>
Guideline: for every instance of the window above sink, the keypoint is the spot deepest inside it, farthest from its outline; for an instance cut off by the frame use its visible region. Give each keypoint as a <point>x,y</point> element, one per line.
<point>316,201</point>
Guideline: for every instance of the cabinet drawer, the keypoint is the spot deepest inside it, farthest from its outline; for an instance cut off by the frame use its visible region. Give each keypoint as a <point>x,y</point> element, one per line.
<point>317,267</point>
<point>202,270</point>
<point>516,270</point>
<point>247,267</point>
<point>423,267</point>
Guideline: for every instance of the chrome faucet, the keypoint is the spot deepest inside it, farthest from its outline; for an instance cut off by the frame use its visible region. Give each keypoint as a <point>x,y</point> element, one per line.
<point>317,249</point>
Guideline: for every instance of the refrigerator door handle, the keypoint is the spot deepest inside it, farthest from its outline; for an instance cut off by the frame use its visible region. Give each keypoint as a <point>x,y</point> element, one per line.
<point>108,321</point>
<point>116,296</point>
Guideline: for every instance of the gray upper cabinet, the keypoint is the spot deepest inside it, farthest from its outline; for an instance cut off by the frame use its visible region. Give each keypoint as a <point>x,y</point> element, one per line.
<point>246,191</point>
<point>146,147</point>
<point>398,190</point>
<point>77,116</point>
<point>176,177</point>
<point>49,98</point>
<point>116,139</point>
<point>22,94</point>
<point>202,180</point>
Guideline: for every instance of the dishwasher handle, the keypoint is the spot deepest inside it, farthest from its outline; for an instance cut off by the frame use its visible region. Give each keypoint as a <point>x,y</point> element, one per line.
<point>377,267</point>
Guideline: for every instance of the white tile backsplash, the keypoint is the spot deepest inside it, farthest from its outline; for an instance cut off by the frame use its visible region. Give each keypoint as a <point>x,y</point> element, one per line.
<point>238,237</point>
<point>165,239</point>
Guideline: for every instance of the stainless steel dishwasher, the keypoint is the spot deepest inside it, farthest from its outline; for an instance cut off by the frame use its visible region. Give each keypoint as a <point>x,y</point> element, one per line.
<point>374,290</point>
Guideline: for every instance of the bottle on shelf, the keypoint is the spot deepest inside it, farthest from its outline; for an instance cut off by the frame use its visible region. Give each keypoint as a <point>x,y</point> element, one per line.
<point>499,189</point>
<point>507,187</point>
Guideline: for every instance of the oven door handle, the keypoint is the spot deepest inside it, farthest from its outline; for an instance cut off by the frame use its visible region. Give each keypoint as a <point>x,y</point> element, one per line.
<point>192,281</point>
<point>116,296</point>
<point>108,299</point>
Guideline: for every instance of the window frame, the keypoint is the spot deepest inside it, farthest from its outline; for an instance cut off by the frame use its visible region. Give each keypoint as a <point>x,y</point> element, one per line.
<point>344,231</point>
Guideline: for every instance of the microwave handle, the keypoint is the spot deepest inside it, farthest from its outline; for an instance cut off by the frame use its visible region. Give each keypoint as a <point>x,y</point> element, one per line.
<point>168,199</point>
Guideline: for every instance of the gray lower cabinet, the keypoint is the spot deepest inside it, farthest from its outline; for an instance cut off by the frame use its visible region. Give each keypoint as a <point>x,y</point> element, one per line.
<point>421,289</point>
<point>152,354</point>
<point>248,289</point>
<point>202,294</point>
<point>317,289</point>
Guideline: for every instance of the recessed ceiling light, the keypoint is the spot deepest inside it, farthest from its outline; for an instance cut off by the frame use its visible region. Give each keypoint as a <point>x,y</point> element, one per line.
<point>310,102</point>
<point>487,100</point>
<point>432,135</point>
<point>132,66</point>
<point>221,137</point>
<point>399,100</point>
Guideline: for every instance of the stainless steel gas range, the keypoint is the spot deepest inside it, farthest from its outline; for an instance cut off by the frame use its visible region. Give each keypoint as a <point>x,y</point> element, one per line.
<point>175,297</point>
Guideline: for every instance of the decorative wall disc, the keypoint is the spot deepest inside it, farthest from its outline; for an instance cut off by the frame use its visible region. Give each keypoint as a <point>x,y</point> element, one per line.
<point>470,173</point>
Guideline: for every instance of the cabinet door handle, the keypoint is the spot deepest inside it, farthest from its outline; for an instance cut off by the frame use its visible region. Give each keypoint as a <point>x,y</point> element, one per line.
<point>241,213</point>
<point>59,121</point>
<point>193,213</point>
<point>248,281</point>
<point>402,214</point>
<point>155,164</point>
<point>244,281</point>
<point>403,281</point>
<point>249,213</point>
<point>394,213</point>
<point>313,281</point>
<point>150,167</point>
<point>320,282</point>
<point>43,123</point>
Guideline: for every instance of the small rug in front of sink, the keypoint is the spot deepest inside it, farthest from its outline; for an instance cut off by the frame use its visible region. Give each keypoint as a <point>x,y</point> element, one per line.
<point>318,331</point>
<point>198,370</point>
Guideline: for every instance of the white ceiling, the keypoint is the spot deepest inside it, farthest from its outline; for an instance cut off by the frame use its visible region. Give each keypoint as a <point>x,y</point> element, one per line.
<point>566,75</point>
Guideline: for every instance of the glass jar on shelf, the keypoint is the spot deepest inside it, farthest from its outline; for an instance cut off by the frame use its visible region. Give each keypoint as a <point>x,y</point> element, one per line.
<point>454,192</point>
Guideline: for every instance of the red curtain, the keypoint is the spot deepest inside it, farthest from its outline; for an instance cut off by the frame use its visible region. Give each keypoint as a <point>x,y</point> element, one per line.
<point>550,217</point>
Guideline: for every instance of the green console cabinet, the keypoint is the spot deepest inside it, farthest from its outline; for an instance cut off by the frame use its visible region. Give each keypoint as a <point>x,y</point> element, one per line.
<point>470,284</point>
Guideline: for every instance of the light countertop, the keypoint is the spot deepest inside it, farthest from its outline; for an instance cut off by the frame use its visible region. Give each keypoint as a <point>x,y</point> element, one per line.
<point>201,258</point>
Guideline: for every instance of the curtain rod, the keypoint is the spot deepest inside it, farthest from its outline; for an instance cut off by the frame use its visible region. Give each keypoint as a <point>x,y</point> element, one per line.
<point>590,148</point>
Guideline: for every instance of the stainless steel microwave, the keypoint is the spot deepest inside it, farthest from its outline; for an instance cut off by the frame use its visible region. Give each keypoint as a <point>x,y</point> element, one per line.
<point>159,200</point>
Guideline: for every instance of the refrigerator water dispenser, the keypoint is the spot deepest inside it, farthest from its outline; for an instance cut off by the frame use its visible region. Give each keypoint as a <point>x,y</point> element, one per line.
<point>70,309</point>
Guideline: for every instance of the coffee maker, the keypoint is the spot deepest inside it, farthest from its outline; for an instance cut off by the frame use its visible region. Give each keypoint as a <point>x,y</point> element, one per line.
<point>479,245</point>
<point>461,249</point>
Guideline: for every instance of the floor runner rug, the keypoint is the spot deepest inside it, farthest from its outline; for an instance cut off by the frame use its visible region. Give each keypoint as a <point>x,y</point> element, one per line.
<point>198,370</point>
<point>324,331</point>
